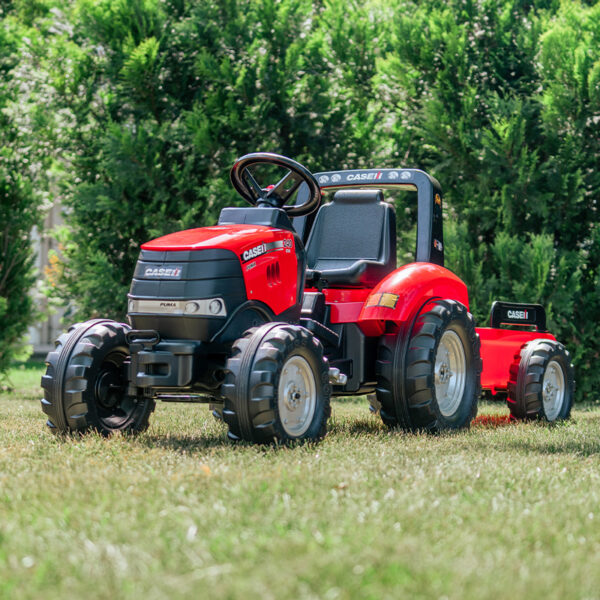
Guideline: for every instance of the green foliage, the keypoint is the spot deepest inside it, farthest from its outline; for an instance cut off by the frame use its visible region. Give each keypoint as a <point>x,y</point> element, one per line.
<point>143,105</point>
<point>173,93</point>
<point>19,213</point>
<point>499,100</point>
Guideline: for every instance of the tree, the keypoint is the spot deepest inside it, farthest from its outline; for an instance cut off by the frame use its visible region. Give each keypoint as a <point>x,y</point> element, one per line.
<point>19,210</point>
<point>172,93</point>
<point>569,70</point>
<point>147,104</point>
<point>498,99</point>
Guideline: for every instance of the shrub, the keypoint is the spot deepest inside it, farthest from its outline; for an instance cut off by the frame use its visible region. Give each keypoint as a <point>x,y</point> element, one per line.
<point>174,92</point>
<point>19,213</point>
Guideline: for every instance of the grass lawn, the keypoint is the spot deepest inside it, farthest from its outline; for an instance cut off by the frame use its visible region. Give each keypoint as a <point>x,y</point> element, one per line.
<point>501,511</point>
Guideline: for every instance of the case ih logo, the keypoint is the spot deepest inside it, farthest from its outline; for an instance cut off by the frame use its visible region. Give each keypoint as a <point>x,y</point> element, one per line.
<point>518,314</point>
<point>363,176</point>
<point>264,248</point>
<point>254,252</point>
<point>167,272</point>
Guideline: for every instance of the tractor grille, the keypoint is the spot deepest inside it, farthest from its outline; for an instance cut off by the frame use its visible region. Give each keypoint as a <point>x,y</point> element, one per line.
<point>176,276</point>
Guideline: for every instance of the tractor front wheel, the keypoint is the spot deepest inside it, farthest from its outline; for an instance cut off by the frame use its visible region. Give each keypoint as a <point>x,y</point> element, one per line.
<point>429,377</point>
<point>85,385</point>
<point>277,386</point>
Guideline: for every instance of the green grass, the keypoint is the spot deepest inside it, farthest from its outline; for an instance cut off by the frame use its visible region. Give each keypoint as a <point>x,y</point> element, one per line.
<point>501,511</point>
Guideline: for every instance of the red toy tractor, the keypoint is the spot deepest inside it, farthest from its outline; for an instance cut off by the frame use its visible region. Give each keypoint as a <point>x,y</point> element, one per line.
<point>265,319</point>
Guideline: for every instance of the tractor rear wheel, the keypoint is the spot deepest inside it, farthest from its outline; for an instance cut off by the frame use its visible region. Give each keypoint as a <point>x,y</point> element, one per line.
<point>85,386</point>
<point>429,377</point>
<point>277,386</point>
<point>542,382</point>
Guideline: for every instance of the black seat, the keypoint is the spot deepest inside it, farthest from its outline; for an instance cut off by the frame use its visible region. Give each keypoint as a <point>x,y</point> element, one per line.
<point>353,240</point>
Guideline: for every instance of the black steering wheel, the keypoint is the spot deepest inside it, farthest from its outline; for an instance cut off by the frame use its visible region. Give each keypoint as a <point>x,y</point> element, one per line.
<point>275,195</point>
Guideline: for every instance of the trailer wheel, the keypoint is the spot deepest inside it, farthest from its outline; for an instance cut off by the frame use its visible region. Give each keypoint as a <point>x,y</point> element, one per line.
<point>277,386</point>
<point>542,383</point>
<point>429,377</point>
<point>85,385</point>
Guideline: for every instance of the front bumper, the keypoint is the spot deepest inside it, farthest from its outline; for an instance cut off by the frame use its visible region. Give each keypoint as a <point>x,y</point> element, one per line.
<point>157,364</point>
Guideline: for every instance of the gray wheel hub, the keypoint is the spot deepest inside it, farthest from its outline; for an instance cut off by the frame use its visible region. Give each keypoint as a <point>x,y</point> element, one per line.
<point>553,390</point>
<point>296,396</point>
<point>450,373</point>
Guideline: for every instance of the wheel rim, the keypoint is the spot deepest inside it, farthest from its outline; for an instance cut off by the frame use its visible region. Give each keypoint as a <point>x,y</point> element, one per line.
<point>115,407</point>
<point>296,396</point>
<point>553,390</point>
<point>450,373</point>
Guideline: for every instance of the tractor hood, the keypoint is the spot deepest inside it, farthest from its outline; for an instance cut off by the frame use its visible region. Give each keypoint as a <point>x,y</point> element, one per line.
<point>236,238</point>
<point>236,264</point>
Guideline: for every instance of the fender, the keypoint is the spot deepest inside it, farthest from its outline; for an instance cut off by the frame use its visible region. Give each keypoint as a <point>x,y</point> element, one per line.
<point>400,295</point>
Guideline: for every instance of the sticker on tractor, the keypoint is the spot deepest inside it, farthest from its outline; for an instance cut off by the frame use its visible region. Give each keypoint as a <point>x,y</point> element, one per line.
<point>363,176</point>
<point>438,199</point>
<point>518,314</point>
<point>254,252</point>
<point>173,272</point>
<point>438,245</point>
<point>265,249</point>
<point>385,299</point>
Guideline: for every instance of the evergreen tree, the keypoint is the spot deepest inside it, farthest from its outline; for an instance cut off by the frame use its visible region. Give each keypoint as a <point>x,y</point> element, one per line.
<point>143,106</point>
<point>496,99</point>
<point>172,93</point>
<point>569,70</point>
<point>19,205</point>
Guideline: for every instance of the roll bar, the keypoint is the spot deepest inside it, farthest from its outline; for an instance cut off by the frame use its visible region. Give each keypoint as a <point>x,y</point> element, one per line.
<point>430,229</point>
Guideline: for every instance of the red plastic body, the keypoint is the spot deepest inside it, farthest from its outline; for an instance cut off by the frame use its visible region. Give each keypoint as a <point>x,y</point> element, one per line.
<point>413,284</point>
<point>406,291</point>
<point>345,305</point>
<point>267,256</point>
<point>270,268</point>
<point>499,347</point>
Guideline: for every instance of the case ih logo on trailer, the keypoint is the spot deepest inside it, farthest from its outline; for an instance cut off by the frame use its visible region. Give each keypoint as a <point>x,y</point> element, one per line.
<point>266,348</point>
<point>518,314</point>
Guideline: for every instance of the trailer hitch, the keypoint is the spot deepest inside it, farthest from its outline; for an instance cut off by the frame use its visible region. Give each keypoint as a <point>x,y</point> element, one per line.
<point>142,339</point>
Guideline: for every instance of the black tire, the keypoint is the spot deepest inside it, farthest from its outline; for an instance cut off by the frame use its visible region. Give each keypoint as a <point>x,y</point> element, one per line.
<point>253,404</point>
<point>405,367</point>
<point>85,385</point>
<point>535,369</point>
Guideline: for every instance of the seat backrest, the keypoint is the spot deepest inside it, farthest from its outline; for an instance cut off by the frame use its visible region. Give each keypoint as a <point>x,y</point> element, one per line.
<point>356,226</point>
